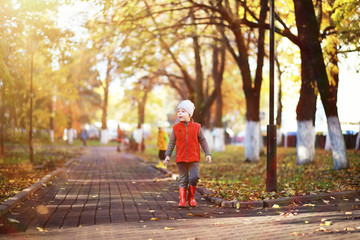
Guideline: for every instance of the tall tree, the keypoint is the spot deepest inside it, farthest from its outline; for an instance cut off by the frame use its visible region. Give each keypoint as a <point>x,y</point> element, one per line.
<point>240,52</point>
<point>218,68</point>
<point>5,78</point>
<point>194,85</point>
<point>308,30</point>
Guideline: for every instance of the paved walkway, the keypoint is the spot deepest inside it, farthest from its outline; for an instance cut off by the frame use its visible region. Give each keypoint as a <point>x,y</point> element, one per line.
<point>108,195</point>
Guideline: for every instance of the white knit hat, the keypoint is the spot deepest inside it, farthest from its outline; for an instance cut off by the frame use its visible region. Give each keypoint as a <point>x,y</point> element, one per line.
<point>188,106</point>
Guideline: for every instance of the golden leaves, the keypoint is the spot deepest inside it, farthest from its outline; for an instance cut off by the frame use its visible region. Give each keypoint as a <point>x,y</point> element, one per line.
<point>168,228</point>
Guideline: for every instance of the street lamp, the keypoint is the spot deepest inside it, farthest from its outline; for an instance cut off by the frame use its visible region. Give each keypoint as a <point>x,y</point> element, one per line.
<point>271,177</point>
<point>33,42</point>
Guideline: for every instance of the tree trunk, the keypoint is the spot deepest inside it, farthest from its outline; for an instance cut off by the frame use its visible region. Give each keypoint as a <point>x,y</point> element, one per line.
<point>51,119</point>
<point>305,113</point>
<point>141,110</point>
<point>31,146</point>
<point>199,76</point>
<point>357,143</point>
<point>70,132</point>
<point>2,151</point>
<point>252,141</point>
<point>252,91</point>
<point>308,30</point>
<point>305,142</point>
<point>104,131</point>
<point>104,108</point>
<point>279,105</point>
<point>217,72</point>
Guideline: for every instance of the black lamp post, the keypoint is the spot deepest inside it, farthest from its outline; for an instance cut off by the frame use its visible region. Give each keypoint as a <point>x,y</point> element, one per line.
<point>271,177</point>
<point>32,48</point>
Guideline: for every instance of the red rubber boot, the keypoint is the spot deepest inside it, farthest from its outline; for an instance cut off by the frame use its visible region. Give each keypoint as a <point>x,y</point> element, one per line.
<point>191,196</point>
<point>182,192</point>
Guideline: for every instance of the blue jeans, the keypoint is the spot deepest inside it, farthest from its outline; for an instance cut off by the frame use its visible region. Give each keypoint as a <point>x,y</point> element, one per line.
<point>188,173</point>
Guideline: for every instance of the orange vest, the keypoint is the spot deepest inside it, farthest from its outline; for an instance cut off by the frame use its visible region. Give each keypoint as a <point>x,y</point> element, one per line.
<point>187,143</point>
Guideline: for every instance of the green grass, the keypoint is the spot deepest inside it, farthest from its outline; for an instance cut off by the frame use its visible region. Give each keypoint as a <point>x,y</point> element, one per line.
<point>231,178</point>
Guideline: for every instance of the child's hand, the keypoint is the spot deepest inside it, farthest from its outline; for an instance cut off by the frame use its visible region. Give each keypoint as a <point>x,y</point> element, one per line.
<point>166,161</point>
<point>208,159</point>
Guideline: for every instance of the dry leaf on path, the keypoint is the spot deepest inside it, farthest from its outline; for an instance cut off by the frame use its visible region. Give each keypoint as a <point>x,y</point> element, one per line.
<point>13,220</point>
<point>309,205</point>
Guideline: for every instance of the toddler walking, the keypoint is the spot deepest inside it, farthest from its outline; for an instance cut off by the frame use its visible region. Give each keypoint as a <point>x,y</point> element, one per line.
<point>187,138</point>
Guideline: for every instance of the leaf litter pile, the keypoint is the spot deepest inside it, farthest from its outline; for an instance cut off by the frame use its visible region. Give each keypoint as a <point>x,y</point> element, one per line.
<point>230,178</point>
<point>17,173</point>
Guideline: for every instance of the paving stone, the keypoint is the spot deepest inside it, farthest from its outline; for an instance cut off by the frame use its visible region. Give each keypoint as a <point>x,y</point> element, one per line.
<point>107,195</point>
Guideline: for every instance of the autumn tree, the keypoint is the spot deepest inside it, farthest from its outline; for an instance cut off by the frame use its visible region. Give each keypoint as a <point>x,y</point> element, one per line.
<point>308,30</point>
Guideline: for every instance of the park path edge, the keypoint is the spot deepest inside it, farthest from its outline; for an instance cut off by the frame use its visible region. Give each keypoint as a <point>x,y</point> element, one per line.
<point>10,203</point>
<point>266,203</point>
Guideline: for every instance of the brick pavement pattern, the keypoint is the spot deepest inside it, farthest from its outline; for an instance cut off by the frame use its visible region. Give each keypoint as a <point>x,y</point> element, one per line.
<point>107,195</point>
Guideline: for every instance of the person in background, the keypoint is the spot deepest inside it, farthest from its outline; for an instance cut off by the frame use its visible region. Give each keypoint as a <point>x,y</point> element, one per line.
<point>119,139</point>
<point>84,136</point>
<point>187,137</point>
<point>163,140</point>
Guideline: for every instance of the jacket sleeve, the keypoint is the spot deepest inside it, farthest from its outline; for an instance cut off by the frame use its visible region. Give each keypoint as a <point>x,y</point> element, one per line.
<point>171,144</point>
<point>203,143</point>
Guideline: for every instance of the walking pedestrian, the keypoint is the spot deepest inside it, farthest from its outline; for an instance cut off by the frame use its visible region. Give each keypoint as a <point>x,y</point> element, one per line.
<point>84,136</point>
<point>187,137</point>
<point>163,140</point>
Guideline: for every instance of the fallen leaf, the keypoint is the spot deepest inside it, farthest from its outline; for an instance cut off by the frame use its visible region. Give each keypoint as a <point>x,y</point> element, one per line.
<point>275,206</point>
<point>168,228</point>
<point>309,205</point>
<point>190,214</point>
<point>307,222</point>
<point>348,213</point>
<point>154,219</point>
<point>326,201</point>
<point>327,223</point>
<point>321,229</point>
<point>357,200</point>
<point>151,211</point>
<point>13,220</point>
<point>41,229</point>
